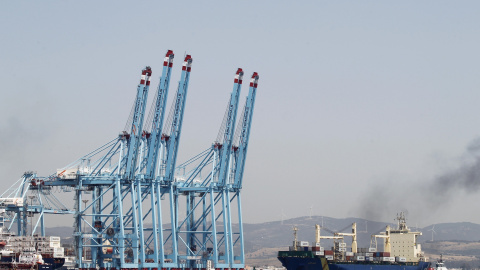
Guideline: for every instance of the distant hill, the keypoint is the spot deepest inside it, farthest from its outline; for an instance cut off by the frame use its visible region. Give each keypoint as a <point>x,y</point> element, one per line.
<point>460,231</point>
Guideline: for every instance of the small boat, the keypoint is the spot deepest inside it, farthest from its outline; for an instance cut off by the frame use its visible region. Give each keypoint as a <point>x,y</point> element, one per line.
<point>440,265</point>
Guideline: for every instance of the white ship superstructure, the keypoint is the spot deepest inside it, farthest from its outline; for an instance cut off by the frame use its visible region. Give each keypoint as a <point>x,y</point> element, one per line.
<point>404,243</point>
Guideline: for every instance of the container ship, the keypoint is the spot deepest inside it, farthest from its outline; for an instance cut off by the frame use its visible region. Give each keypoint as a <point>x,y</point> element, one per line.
<point>25,252</point>
<point>400,251</point>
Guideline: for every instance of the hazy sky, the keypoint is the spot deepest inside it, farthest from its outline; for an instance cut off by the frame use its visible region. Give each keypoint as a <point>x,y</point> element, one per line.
<point>364,108</point>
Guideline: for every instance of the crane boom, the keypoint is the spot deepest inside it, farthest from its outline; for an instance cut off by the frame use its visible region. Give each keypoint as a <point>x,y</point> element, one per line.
<point>225,148</point>
<point>240,152</point>
<point>137,123</point>
<point>172,140</point>
<point>159,115</point>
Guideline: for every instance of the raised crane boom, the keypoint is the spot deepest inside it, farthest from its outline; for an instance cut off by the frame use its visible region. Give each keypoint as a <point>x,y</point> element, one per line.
<point>172,140</point>
<point>159,115</point>
<point>137,123</point>
<point>240,152</point>
<point>225,148</point>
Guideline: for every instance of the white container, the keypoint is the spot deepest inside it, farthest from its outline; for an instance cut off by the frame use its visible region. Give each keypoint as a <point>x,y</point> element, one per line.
<point>317,244</point>
<point>53,238</point>
<point>392,259</point>
<point>54,245</point>
<point>370,259</point>
<point>372,250</point>
<point>319,253</point>
<point>349,254</point>
<point>360,258</point>
<point>400,259</point>
<point>342,245</point>
<point>369,254</point>
<point>322,249</point>
<point>329,257</point>
<point>342,249</point>
<point>304,244</point>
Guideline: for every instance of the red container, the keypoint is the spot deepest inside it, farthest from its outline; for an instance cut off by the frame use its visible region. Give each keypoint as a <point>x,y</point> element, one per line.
<point>328,252</point>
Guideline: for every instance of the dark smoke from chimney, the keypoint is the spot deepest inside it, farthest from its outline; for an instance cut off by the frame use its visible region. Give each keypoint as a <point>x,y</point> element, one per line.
<point>423,198</point>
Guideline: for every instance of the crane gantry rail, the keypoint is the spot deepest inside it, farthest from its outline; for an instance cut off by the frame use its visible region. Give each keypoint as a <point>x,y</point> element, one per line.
<point>134,208</point>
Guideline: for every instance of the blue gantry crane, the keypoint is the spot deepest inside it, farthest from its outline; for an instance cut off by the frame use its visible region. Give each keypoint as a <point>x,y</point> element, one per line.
<point>134,208</point>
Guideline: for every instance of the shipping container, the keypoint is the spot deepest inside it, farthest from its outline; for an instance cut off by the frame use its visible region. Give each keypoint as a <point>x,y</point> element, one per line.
<point>360,258</point>
<point>328,252</point>
<point>342,245</point>
<point>372,250</point>
<point>319,253</point>
<point>349,253</point>
<point>304,244</point>
<point>329,257</point>
<point>342,249</point>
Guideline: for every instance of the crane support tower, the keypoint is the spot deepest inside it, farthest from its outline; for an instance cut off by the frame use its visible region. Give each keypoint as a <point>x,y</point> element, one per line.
<point>133,206</point>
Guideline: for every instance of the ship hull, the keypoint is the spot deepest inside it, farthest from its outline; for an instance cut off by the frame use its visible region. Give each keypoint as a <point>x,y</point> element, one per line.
<point>50,263</point>
<point>320,263</point>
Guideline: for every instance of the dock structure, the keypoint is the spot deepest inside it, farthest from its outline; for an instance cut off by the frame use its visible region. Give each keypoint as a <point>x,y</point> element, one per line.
<point>133,206</point>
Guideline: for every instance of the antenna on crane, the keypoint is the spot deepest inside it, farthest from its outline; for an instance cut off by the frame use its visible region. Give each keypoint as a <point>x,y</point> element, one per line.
<point>310,213</point>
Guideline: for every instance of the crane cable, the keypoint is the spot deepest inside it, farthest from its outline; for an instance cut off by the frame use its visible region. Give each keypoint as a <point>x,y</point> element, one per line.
<point>221,131</point>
